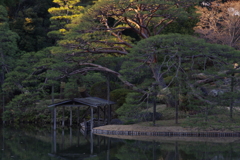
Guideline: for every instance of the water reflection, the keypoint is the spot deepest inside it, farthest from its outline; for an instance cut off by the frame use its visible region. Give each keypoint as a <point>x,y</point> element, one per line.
<point>42,143</point>
<point>80,145</point>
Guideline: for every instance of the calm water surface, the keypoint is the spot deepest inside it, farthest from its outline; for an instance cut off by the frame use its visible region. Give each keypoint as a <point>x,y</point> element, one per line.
<point>40,143</point>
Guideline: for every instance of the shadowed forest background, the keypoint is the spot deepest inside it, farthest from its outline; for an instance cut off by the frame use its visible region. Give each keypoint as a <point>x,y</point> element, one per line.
<point>142,54</point>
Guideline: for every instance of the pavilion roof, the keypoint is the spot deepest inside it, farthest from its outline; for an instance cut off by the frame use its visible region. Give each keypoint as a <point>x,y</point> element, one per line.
<point>89,101</point>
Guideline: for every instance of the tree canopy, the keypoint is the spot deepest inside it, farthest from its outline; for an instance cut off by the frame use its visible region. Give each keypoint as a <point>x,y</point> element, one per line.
<point>148,46</point>
<point>8,42</point>
<point>165,60</point>
<point>112,26</point>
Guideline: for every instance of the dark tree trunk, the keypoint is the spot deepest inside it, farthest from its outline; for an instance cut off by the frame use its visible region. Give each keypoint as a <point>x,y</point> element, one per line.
<point>154,111</point>
<point>232,99</point>
<point>170,101</point>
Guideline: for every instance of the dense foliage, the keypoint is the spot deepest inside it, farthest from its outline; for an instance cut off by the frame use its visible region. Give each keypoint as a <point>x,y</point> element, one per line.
<point>141,51</point>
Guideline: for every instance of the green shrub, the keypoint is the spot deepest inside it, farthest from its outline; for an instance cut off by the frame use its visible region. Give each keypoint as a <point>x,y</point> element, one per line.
<point>129,111</point>
<point>119,95</point>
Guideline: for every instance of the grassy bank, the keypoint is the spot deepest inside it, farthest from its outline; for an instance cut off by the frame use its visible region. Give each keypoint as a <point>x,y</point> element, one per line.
<point>217,119</point>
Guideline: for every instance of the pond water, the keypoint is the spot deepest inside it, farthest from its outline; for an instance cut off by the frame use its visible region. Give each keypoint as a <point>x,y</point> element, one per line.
<point>41,143</point>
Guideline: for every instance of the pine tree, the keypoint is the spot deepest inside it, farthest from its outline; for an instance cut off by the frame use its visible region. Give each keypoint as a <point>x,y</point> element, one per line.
<point>175,67</point>
<point>8,43</point>
<point>30,20</point>
<point>113,26</point>
<point>8,49</point>
<point>62,15</point>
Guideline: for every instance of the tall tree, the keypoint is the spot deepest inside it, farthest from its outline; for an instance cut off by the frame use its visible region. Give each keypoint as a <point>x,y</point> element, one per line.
<point>8,43</point>
<point>111,27</point>
<point>173,61</point>
<point>8,48</point>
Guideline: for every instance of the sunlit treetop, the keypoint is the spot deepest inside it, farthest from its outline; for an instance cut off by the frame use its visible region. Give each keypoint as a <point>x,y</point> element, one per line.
<point>63,15</point>
<point>112,26</point>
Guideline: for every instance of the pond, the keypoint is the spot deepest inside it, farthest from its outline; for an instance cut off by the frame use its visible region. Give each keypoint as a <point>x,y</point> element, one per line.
<point>41,143</point>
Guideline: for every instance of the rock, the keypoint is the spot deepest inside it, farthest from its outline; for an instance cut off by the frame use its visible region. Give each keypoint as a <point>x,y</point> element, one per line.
<point>215,92</point>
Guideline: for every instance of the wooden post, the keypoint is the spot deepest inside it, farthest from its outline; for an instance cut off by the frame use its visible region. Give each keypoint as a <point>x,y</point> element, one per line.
<point>63,139</point>
<point>154,112</point>
<point>78,137</point>
<point>54,118</point>
<point>232,99</point>
<point>98,115</point>
<point>85,123</point>
<point>70,136</point>
<point>54,141</point>
<point>104,114</point>
<point>63,115</point>
<point>108,88</point>
<point>91,141</point>
<point>109,113</point>
<point>91,118</point>
<point>108,98</point>
<point>70,116</point>
<point>78,119</point>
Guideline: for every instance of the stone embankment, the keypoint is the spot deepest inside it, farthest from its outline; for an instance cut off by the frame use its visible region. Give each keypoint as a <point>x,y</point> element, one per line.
<point>188,134</point>
<point>135,130</point>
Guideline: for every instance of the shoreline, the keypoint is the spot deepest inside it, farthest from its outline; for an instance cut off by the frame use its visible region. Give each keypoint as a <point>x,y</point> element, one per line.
<point>176,139</point>
<point>165,132</point>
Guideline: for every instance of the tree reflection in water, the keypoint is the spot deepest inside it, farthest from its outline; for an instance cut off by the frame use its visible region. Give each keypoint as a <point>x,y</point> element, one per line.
<point>24,143</point>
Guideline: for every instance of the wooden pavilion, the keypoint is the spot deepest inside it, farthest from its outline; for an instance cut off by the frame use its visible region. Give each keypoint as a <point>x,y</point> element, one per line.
<point>91,102</point>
